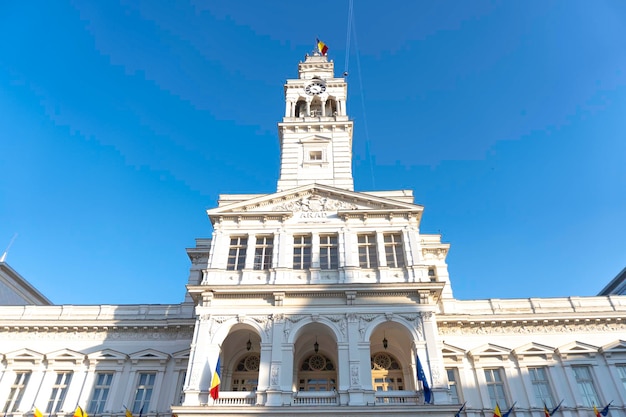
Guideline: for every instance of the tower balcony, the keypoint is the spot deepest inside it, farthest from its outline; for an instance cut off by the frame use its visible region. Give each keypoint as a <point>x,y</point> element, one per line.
<point>316,119</point>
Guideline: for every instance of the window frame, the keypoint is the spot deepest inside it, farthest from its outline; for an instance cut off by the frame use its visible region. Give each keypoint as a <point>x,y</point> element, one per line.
<point>454,385</point>
<point>588,393</point>
<point>59,391</point>
<point>495,386</point>
<point>100,389</point>
<point>368,250</point>
<point>263,252</point>
<point>237,250</point>
<point>16,393</point>
<point>542,388</point>
<point>394,250</point>
<point>302,251</point>
<point>142,388</point>
<point>329,251</point>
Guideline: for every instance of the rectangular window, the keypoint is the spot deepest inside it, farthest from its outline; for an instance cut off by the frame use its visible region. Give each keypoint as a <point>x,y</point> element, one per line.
<point>329,252</point>
<point>495,386</point>
<point>301,252</point>
<point>17,392</point>
<point>145,385</point>
<point>100,392</point>
<point>263,252</point>
<point>180,394</point>
<point>621,371</point>
<point>585,384</point>
<point>315,155</point>
<point>454,385</point>
<point>237,253</point>
<point>59,391</point>
<point>394,250</point>
<point>367,251</point>
<point>541,386</point>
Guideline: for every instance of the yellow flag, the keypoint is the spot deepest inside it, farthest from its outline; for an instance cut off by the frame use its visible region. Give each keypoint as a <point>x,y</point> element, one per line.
<point>128,413</point>
<point>80,412</point>
<point>38,413</point>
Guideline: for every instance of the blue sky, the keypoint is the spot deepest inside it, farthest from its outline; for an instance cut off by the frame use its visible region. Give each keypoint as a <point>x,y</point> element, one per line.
<point>121,122</point>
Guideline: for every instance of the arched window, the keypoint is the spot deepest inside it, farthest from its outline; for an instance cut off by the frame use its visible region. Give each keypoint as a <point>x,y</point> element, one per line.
<point>331,107</point>
<point>316,107</point>
<point>301,108</point>
<point>386,373</point>
<point>246,373</point>
<point>317,373</point>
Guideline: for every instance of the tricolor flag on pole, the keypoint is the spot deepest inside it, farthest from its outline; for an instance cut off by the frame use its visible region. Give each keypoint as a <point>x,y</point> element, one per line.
<point>603,412</point>
<point>321,47</point>
<point>37,413</point>
<point>549,413</point>
<point>215,382</point>
<point>496,411</point>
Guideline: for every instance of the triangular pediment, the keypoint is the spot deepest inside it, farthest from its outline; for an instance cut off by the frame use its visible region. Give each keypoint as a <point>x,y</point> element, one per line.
<point>490,351</point>
<point>181,357</point>
<point>533,349</point>
<point>577,349</point>
<point>149,355</point>
<point>315,139</point>
<point>614,348</point>
<point>107,355</point>
<point>452,352</point>
<point>64,355</point>
<point>24,355</point>
<point>312,198</point>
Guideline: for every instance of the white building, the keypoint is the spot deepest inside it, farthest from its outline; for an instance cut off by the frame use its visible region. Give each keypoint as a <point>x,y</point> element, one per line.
<point>318,300</point>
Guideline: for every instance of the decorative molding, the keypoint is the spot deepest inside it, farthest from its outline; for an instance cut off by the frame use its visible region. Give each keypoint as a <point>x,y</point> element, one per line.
<point>528,328</point>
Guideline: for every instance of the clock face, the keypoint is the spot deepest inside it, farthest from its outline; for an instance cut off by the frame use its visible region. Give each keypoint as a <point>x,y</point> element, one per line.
<point>316,87</point>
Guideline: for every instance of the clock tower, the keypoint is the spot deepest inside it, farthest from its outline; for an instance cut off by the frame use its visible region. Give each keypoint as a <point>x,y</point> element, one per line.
<point>316,133</point>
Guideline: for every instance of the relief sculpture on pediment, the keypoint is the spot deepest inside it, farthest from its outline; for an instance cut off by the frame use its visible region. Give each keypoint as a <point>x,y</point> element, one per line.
<point>314,203</point>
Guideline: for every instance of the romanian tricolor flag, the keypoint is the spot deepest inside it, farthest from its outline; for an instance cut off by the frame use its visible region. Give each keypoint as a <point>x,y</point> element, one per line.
<point>603,412</point>
<point>215,382</point>
<point>128,413</point>
<point>37,413</point>
<point>80,412</point>
<point>321,47</point>
<point>496,411</point>
<point>545,410</point>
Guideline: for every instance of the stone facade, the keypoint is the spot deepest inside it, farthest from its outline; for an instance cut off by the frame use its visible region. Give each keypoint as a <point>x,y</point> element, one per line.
<point>318,300</point>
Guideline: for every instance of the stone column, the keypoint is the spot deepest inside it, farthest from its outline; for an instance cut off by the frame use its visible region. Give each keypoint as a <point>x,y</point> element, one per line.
<point>433,359</point>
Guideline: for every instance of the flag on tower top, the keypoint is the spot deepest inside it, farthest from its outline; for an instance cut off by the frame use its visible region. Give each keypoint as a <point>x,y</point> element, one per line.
<point>321,47</point>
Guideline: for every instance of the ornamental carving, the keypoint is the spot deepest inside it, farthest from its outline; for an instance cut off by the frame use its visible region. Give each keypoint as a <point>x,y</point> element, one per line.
<point>530,328</point>
<point>315,203</point>
<point>409,317</point>
<point>435,375</point>
<point>430,254</point>
<point>296,318</point>
<point>354,374</point>
<point>369,317</point>
<point>274,374</point>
